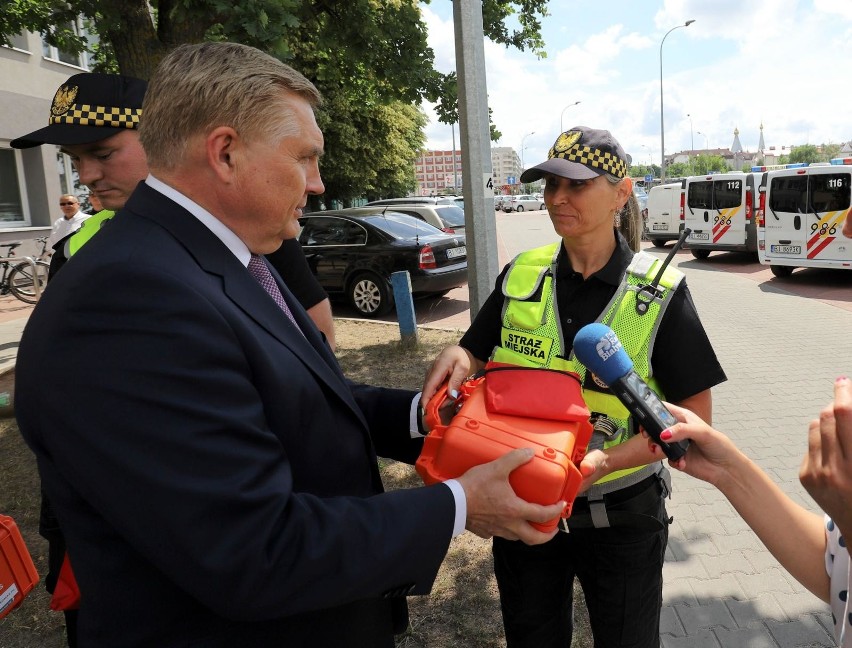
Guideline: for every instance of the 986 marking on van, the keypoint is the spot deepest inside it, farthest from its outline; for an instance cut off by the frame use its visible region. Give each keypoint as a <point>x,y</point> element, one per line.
<point>801,216</point>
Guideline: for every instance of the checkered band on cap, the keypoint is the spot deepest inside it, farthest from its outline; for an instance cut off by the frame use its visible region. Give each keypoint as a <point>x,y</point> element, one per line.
<point>591,157</point>
<point>87,115</point>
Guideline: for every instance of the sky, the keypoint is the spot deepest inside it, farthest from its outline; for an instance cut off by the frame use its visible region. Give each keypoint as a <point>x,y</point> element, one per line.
<point>784,63</point>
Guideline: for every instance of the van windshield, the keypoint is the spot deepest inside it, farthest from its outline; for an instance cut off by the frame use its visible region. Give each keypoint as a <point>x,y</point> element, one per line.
<point>727,194</point>
<point>818,192</point>
<point>715,194</point>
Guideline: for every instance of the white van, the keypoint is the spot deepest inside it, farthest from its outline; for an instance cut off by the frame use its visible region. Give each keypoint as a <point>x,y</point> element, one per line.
<point>801,215</point>
<point>665,213</point>
<point>719,209</point>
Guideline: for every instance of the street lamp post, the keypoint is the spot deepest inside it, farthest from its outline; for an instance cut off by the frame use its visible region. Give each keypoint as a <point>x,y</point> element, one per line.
<point>561,128</point>
<point>706,142</point>
<point>691,143</point>
<point>662,125</point>
<point>522,149</point>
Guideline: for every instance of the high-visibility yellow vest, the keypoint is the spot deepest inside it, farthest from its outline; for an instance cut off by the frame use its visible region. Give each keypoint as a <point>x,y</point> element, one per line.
<point>90,227</point>
<point>531,334</point>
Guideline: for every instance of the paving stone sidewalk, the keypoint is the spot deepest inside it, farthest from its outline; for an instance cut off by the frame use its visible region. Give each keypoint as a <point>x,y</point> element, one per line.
<point>781,353</point>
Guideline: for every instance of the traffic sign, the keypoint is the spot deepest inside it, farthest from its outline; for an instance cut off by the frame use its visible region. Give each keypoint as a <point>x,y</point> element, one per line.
<point>648,178</point>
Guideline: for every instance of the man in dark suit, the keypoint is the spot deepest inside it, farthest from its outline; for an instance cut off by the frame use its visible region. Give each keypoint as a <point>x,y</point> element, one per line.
<point>213,471</point>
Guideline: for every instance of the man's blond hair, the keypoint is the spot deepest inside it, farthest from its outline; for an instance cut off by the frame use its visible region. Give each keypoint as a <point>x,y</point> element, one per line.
<point>197,88</point>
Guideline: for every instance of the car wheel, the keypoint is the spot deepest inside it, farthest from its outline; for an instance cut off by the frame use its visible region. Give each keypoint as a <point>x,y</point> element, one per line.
<point>701,254</point>
<point>781,271</point>
<point>659,242</point>
<point>370,295</point>
<point>519,208</point>
<point>542,207</point>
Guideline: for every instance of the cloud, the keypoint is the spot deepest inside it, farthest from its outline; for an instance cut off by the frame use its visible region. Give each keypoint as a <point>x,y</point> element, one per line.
<point>782,63</point>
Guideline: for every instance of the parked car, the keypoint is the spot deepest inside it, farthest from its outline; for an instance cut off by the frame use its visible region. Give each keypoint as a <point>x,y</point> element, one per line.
<point>642,198</point>
<point>353,252</point>
<point>420,200</point>
<point>447,218</point>
<point>526,202</point>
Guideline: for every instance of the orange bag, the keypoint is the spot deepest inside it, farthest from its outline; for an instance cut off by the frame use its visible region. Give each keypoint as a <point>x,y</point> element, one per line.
<point>488,425</point>
<point>18,575</point>
<point>66,594</point>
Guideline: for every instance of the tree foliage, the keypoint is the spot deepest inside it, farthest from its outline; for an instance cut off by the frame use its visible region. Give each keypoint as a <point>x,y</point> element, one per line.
<point>369,58</point>
<point>700,165</point>
<point>810,153</point>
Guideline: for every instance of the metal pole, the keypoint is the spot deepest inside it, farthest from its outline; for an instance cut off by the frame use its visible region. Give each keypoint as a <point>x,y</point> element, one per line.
<point>455,172</point>
<point>691,144</point>
<point>523,167</point>
<point>562,128</point>
<point>475,137</point>
<point>662,124</point>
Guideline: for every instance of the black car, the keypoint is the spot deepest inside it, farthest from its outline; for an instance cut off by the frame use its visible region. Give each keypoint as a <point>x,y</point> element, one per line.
<point>353,252</point>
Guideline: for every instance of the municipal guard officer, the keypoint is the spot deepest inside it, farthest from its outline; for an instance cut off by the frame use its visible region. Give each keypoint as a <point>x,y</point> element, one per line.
<point>615,539</point>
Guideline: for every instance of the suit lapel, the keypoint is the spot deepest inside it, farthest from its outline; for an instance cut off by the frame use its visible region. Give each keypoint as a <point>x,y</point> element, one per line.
<point>215,258</point>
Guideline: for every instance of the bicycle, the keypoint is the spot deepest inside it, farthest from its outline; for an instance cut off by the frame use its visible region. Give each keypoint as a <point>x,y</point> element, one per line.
<point>17,278</point>
<point>44,254</point>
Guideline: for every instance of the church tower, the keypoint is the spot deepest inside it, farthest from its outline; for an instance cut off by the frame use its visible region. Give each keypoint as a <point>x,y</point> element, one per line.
<point>737,150</point>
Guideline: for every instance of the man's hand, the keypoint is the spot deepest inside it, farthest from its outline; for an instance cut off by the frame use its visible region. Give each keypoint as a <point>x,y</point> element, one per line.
<point>493,509</point>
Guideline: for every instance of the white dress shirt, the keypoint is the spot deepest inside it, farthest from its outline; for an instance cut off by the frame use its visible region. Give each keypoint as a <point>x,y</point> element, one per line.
<point>62,227</point>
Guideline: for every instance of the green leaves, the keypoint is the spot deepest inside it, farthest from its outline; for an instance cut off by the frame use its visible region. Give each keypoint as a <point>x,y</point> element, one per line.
<point>369,58</point>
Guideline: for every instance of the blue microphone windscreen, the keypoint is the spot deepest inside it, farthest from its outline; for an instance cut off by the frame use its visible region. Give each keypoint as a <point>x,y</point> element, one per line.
<point>599,349</point>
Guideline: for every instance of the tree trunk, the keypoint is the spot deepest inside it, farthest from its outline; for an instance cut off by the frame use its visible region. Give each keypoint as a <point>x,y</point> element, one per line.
<point>137,48</point>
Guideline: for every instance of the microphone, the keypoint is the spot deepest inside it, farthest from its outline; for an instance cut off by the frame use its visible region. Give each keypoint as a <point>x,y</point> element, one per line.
<point>599,349</point>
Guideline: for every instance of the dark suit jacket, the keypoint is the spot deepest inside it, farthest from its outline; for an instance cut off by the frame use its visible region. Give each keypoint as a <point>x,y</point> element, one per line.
<point>213,471</point>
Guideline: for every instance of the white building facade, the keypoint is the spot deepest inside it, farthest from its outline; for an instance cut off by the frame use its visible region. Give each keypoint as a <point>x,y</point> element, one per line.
<point>31,180</point>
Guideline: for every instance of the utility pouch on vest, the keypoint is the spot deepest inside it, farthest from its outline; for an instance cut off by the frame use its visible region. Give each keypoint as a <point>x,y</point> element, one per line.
<point>479,433</point>
<point>535,282</point>
<point>18,574</point>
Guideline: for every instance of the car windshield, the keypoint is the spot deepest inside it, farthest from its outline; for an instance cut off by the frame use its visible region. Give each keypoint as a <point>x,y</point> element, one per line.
<point>401,226</point>
<point>451,215</point>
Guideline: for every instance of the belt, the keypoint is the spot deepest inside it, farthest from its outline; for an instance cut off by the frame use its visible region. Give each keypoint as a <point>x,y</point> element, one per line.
<point>621,508</point>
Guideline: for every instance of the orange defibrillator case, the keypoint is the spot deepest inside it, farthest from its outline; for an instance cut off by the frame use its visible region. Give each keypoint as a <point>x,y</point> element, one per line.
<point>513,407</point>
<point>18,575</point>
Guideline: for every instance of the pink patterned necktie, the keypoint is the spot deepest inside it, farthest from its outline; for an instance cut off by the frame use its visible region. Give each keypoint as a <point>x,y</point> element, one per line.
<point>259,270</point>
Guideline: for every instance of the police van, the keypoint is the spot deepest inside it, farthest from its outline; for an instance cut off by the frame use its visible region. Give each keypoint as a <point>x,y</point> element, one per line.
<point>719,209</point>
<point>801,214</point>
<point>665,213</point>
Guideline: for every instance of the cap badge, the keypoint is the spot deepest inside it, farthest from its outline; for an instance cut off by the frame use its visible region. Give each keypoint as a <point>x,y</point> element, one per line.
<point>565,141</point>
<point>63,100</point>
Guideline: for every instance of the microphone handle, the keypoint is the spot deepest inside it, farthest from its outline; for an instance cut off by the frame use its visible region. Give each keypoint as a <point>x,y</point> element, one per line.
<point>645,405</point>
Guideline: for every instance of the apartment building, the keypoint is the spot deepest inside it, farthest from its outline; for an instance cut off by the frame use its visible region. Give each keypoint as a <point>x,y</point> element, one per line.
<point>437,174</point>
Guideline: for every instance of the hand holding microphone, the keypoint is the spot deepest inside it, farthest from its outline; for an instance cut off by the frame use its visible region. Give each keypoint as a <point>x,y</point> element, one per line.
<point>599,349</point>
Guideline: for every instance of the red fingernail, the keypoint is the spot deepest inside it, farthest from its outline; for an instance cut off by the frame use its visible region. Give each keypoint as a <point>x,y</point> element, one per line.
<point>665,435</point>
<point>840,379</point>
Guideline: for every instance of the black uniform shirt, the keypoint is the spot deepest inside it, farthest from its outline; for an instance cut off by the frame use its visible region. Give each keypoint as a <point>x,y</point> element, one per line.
<point>290,262</point>
<point>683,359</point>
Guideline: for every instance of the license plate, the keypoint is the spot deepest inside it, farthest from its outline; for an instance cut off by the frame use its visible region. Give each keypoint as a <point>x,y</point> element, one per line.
<point>786,249</point>
<point>454,253</point>
<point>700,236</point>
<point>659,226</point>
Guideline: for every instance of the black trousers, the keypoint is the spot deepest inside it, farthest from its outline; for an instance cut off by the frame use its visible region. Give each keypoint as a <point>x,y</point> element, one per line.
<point>619,568</point>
